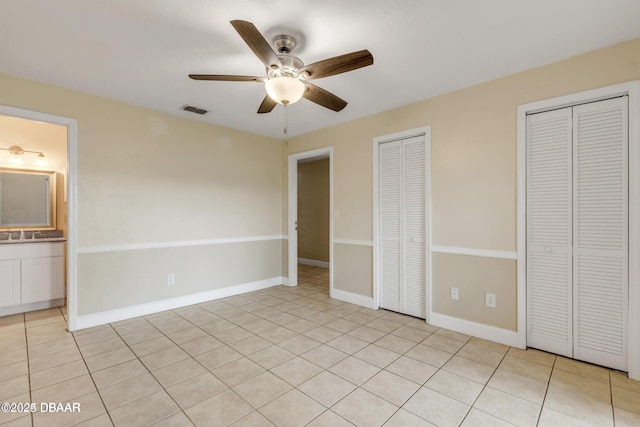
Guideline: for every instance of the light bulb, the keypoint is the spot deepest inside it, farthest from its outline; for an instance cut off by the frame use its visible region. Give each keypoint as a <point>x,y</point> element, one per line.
<point>40,160</point>
<point>16,159</point>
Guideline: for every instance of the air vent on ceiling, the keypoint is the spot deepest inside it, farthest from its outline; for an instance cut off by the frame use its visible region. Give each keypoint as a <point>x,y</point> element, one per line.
<point>192,109</point>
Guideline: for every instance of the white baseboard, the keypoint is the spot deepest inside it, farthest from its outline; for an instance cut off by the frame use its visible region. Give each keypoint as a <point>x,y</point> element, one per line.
<point>352,298</point>
<point>313,262</point>
<point>487,332</point>
<point>5,311</point>
<point>96,319</point>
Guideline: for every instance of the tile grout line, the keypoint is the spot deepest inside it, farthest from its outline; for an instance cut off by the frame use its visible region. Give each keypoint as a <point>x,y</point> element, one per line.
<point>26,344</point>
<point>92,379</point>
<point>484,386</point>
<point>546,391</point>
<point>151,373</point>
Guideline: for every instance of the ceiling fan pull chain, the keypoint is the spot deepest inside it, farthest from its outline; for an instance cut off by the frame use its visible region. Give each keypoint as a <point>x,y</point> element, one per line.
<point>286,121</point>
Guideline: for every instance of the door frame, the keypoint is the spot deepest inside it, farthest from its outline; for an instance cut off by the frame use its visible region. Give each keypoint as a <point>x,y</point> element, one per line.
<point>632,89</point>
<point>317,154</point>
<point>71,197</point>
<point>377,141</point>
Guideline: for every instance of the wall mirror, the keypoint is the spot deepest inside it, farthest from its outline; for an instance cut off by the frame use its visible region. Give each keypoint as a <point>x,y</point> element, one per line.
<point>27,199</point>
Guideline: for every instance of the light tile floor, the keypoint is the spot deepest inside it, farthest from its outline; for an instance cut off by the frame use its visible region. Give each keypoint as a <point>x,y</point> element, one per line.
<point>292,357</point>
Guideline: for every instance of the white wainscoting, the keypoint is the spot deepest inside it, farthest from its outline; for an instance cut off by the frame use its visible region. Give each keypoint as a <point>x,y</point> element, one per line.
<point>176,244</point>
<point>353,242</point>
<point>486,253</point>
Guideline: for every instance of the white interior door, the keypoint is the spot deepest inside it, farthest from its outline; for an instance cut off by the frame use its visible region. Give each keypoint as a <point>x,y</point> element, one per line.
<point>601,230</point>
<point>577,232</point>
<point>414,196</point>
<point>549,232</point>
<point>402,190</point>
<point>390,205</point>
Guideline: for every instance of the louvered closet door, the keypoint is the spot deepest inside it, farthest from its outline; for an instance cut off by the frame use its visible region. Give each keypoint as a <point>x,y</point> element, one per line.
<point>549,231</point>
<point>601,232</point>
<point>414,227</point>
<point>403,225</point>
<point>390,202</point>
<point>577,232</point>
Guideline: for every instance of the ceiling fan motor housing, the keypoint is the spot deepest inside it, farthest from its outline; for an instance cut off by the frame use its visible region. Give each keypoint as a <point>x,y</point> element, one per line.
<point>284,43</point>
<point>290,65</point>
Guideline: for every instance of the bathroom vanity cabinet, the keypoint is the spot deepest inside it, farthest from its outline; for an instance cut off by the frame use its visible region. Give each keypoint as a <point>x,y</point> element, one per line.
<point>31,276</point>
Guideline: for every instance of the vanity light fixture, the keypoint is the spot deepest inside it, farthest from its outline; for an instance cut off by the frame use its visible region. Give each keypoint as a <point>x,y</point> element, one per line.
<point>17,156</point>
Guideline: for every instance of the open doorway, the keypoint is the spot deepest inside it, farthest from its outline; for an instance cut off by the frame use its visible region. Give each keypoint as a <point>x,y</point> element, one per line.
<point>313,223</point>
<point>310,220</point>
<point>36,144</point>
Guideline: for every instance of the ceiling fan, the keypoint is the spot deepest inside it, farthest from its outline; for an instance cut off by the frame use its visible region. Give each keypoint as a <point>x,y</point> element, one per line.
<point>287,76</point>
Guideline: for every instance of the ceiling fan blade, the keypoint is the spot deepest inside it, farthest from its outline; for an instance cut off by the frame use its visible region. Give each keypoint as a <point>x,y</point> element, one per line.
<point>338,64</point>
<point>226,78</point>
<point>267,105</point>
<point>257,43</point>
<point>323,97</point>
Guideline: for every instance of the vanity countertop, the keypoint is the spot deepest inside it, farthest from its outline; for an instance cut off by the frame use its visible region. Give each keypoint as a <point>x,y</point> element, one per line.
<point>31,236</point>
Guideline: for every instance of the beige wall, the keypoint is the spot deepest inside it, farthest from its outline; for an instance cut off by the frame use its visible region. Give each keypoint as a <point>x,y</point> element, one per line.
<point>313,210</point>
<point>146,177</point>
<point>473,171</point>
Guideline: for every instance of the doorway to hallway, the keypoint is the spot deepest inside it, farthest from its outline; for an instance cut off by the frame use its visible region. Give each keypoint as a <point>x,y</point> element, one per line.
<point>310,222</point>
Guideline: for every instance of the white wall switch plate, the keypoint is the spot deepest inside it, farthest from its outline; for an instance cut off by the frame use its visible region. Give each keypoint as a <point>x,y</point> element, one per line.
<point>171,279</point>
<point>454,294</point>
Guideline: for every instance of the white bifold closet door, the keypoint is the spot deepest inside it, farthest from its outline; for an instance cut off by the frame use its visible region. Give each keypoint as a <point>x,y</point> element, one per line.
<point>577,231</point>
<point>403,226</point>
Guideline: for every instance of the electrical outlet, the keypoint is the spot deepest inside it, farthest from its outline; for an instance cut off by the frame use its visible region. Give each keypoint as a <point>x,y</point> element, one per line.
<point>171,279</point>
<point>454,294</point>
<point>490,300</point>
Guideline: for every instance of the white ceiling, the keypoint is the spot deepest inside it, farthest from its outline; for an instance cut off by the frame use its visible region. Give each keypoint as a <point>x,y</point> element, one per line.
<point>140,51</point>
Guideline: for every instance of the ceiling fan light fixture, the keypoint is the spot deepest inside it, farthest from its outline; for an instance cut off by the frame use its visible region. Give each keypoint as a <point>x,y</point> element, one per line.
<point>284,90</point>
